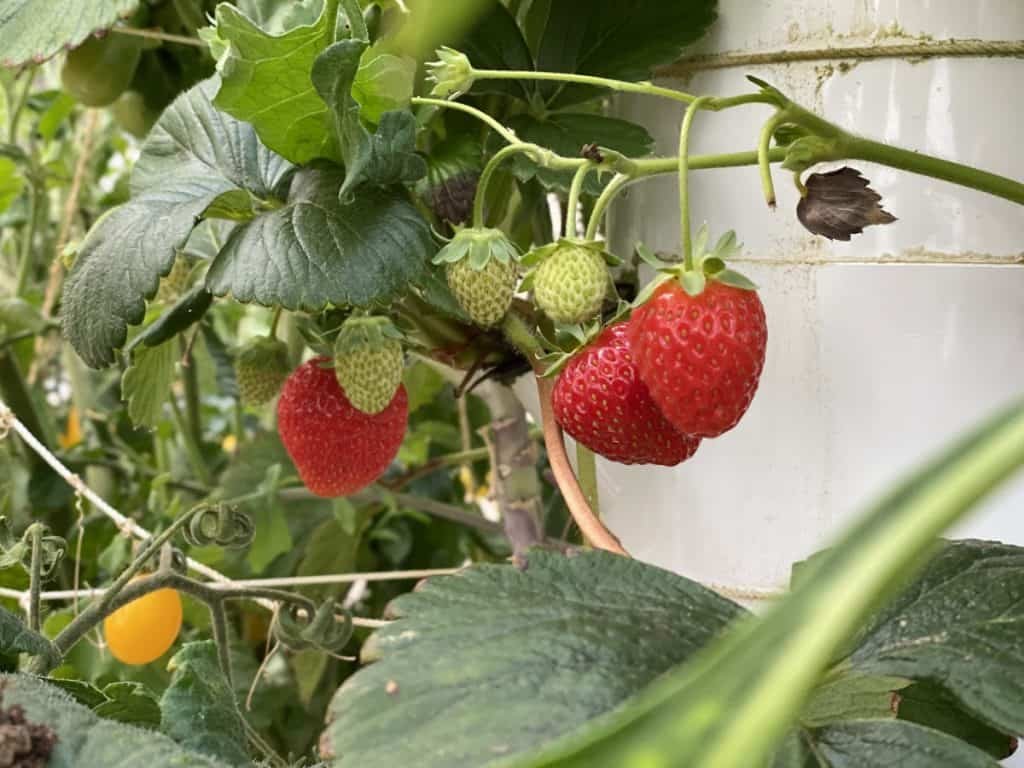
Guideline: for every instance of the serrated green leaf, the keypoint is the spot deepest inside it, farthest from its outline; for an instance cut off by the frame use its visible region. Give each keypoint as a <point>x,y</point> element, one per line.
<point>84,740</point>
<point>567,133</point>
<point>129,702</point>
<point>384,82</point>
<point>930,705</point>
<point>885,743</point>
<point>193,155</point>
<point>146,384</point>
<point>962,623</point>
<point>548,647</point>
<point>16,637</point>
<point>315,251</point>
<point>11,183</point>
<point>198,708</point>
<point>266,80</point>
<point>387,156</point>
<point>37,29</point>
<point>610,38</point>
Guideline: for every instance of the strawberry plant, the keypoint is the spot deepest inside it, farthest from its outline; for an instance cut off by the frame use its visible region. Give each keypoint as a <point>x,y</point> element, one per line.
<point>273,279</point>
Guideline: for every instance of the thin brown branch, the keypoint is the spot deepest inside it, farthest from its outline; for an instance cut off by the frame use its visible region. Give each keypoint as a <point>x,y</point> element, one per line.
<point>590,525</point>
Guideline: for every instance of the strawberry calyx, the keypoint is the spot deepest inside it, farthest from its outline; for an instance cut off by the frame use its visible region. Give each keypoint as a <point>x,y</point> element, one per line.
<point>360,331</point>
<point>693,274</point>
<point>568,340</point>
<point>479,245</point>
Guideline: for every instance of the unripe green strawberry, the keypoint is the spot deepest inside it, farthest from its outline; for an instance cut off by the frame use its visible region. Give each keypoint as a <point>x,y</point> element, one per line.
<point>571,282</point>
<point>368,362</point>
<point>481,272</point>
<point>261,366</point>
<point>485,294</point>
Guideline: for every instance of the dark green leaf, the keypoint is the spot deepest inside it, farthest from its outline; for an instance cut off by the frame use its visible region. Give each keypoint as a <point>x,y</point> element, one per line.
<point>929,705</point>
<point>886,743</point>
<point>15,637</point>
<point>385,157</point>
<point>384,82</point>
<point>567,133</point>
<point>961,624</point>
<point>199,710</point>
<point>548,648</point>
<point>193,155</point>
<point>130,702</point>
<point>37,29</point>
<point>315,251</point>
<point>84,740</point>
<point>614,39</point>
<point>186,311</point>
<point>83,692</point>
<point>497,43</point>
<point>266,81</point>
<point>853,697</point>
<point>224,369</point>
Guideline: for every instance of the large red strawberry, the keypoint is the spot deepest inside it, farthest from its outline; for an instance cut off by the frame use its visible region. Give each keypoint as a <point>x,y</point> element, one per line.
<point>337,448</point>
<point>700,355</point>
<point>601,402</point>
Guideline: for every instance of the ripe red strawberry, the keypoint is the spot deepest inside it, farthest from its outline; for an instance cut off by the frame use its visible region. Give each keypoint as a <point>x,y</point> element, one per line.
<point>601,402</point>
<point>337,449</point>
<point>700,356</point>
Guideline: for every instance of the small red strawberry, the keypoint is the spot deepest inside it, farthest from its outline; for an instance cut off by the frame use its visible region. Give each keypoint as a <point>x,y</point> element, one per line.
<point>699,343</point>
<point>336,448</point>
<point>601,402</point>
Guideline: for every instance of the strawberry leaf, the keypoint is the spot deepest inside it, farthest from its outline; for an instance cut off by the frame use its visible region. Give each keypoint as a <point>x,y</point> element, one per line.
<point>314,251</point>
<point>37,29</point>
<point>494,638</point>
<point>192,157</point>
<point>146,383</point>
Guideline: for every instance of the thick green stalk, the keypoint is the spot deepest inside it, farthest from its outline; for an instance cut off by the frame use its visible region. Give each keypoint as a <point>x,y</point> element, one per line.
<point>575,189</point>
<point>586,473</point>
<point>485,179</point>
<point>603,201</point>
<point>35,533</point>
<point>26,259</point>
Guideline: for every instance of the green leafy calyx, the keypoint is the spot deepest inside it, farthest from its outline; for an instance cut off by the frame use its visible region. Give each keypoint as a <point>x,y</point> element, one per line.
<point>479,245</point>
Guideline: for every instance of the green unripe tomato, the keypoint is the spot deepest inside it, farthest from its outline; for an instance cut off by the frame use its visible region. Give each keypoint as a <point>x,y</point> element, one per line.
<point>132,114</point>
<point>100,69</point>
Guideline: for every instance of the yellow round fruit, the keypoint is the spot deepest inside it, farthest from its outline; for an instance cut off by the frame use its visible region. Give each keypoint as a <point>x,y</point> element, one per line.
<point>143,630</point>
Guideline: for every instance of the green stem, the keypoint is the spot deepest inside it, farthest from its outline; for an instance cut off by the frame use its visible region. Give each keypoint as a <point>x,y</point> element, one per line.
<point>356,22</point>
<point>684,180</point>
<point>763,148</point>
<point>857,148</point>
<point>586,473</point>
<point>190,378</point>
<point>483,117</point>
<point>219,623</point>
<point>520,336</point>
<point>192,451</point>
<point>615,186</point>
<point>19,106</point>
<point>35,533</point>
<point>274,320</point>
<point>572,206</point>
<point>485,178</point>
<point>26,259</point>
<point>623,86</point>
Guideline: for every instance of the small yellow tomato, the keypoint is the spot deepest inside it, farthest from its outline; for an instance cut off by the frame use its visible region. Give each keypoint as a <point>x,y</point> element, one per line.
<point>143,630</point>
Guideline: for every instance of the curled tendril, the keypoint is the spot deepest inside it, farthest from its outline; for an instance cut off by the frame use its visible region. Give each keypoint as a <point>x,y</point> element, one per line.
<point>18,551</point>
<point>221,525</point>
<point>329,629</point>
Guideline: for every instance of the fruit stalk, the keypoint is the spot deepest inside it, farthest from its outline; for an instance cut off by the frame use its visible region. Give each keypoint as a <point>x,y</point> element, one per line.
<point>586,469</point>
<point>684,178</point>
<point>572,206</point>
<point>514,464</point>
<point>593,530</point>
<point>35,533</point>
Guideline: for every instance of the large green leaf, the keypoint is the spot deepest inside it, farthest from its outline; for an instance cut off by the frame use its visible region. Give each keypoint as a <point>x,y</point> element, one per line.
<point>37,29</point>
<point>198,708</point>
<point>567,133</point>
<point>731,705</point>
<point>931,705</point>
<point>494,661</point>
<point>193,155</point>
<point>316,251</point>
<point>387,156</point>
<point>266,79</point>
<point>961,625</point>
<point>611,38</point>
<point>495,42</point>
<point>84,740</point>
<point>885,743</point>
